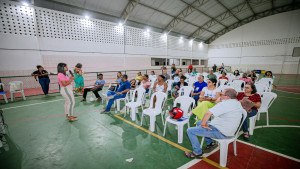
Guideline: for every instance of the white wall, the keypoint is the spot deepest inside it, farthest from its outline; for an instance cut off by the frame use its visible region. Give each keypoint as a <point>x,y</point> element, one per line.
<point>265,44</point>
<point>31,35</point>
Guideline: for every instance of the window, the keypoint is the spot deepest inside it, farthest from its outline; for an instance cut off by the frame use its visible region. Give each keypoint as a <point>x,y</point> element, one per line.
<point>186,62</point>
<point>195,62</point>
<point>173,61</point>
<point>158,61</point>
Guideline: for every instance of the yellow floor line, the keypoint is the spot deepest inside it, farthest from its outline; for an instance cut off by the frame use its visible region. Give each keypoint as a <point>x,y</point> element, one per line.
<point>166,140</point>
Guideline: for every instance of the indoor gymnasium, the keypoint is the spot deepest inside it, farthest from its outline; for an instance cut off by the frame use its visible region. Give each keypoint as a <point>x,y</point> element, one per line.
<point>149,84</point>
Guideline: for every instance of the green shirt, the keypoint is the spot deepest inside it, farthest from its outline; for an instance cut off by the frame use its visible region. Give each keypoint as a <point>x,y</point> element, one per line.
<point>212,76</point>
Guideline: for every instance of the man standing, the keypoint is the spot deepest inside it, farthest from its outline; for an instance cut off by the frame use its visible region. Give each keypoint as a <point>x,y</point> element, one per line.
<point>214,68</point>
<point>98,86</point>
<point>198,86</point>
<point>227,117</point>
<point>120,93</point>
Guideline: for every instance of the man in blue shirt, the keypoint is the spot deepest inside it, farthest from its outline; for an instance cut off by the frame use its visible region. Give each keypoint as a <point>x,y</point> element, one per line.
<point>98,86</point>
<point>198,86</point>
<point>120,93</point>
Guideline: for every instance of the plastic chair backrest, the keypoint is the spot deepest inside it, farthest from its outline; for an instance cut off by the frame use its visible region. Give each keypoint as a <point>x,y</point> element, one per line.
<point>267,99</point>
<point>140,95</point>
<point>15,85</point>
<point>237,85</point>
<point>236,134</point>
<point>185,91</point>
<point>160,99</point>
<point>169,82</point>
<point>261,88</point>
<point>186,103</point>
<point>152,81</point>
<point>222,82</point>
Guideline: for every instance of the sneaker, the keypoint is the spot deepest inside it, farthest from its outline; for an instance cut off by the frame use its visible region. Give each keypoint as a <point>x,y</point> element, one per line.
<point>83,100</point>
<point>210,148</point>
<point>105,112</point>
<point>99,99</point>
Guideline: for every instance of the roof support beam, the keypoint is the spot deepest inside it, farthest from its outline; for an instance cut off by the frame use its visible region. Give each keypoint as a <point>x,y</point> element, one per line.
<point>251,9</point>
<point>228,10</point>
<point>172,16</point>
<point>290,7</point>
<point>128,10</point>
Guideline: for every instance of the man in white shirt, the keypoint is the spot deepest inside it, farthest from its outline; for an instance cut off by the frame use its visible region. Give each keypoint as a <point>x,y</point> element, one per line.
<point>227,117</point>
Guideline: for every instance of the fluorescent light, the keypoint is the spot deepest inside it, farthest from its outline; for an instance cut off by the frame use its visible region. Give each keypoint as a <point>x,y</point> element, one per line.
<point>25,3</point>
<point>86,17</point>
<point>148,30</point>
<point>120,24</point>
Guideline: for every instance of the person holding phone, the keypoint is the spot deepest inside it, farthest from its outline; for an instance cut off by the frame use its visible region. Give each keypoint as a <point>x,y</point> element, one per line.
<point>66,90</point>
<point>43,78</point>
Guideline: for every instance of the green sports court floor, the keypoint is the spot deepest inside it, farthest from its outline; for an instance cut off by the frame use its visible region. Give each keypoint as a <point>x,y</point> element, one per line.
<point>40,137</point>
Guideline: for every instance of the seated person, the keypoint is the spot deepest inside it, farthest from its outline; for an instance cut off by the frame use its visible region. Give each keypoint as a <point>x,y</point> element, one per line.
<point>207,99</point>
<point>194,72</point>
<point>223,76</point>
<point>139,78</point>
<point>227,117</point>
<point>146,83</point>
<point>120,93</point>
<point>165,74</point>
<point>253,76</point>
<point>189,73</point>
<point>268,74</point>
<point>176,77</point>
<point>198,86</point>
<point>246,79</point>
<point>159,86</point>
<point>98,86</point>
<point>252,98</point>
<point>152,76</point>
<point>211,75</point>
<point>236,74</point>
<point>178,86</point>
<point>118,80</point>
<point>133,84</point>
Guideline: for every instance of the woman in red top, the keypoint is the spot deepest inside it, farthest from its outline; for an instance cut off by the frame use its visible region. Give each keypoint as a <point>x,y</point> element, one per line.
<point>223,76</point>
<point>252,97</point>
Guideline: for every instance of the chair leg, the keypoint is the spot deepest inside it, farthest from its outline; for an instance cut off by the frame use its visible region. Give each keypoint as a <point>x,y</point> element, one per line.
<point>132,113</point>
<point>5,98</point>
<point>234,148</point>
<point>12,96</point>
<point>23,95</point>
<point>118,105</point>
<point>267,116</point>
<point>180,133</point>
<point>152,123</point>
<point>252,124</point>
<point>223,154</point>
<point>202,141</point>
<point>165,127</point>
<point>258,115</point>
<point>142,118</point>
<point>162,118</point>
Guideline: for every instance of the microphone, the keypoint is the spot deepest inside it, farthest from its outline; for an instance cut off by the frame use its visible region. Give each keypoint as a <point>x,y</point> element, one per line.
<point>71,73</point>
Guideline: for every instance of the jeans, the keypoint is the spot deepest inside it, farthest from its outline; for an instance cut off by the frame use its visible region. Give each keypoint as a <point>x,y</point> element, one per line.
<point>245,124</point>
<point>196,98</point>
<point>86,90</point>
<point>111,101</point>
<point>193,132</point>
<point>44,82</point>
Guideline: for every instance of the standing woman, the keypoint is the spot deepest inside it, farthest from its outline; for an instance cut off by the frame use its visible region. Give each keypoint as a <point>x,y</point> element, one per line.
<point>79,82</point>
<point>43,78</point>
<point>66,90</point>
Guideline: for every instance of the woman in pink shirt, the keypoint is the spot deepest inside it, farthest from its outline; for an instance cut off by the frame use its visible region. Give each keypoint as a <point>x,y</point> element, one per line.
<point>146,83</point>
<point>246,79</point>
<point>66,90</point>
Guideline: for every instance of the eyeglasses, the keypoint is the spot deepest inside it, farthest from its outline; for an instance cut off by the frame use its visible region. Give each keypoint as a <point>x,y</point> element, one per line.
<point>247,87</point>
<point>223,94</point>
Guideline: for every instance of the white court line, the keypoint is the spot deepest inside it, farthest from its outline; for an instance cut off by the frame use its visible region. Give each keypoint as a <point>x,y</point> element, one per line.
<point>34,104</point>
<point>285,91</point>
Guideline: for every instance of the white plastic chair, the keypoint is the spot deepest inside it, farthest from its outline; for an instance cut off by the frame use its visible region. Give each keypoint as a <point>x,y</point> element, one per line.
<point>134,104</point>
<point>3,93</point>
<point>267,100</point>
<point>186,103</point>
<point>268,82</point>
<point>170,83</point>
<point>226,141</point>
<point>125,99</point>
<point>15,87</point>
<point>222,82</point>
<point>186,91</point>
<point>237,85</point>
<point>261,88</point>
<point>153,112</point>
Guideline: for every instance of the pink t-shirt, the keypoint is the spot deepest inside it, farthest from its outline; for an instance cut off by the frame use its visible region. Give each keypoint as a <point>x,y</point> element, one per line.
<point>247,80</point>
<point>61,77</point>
<point>145,84</point>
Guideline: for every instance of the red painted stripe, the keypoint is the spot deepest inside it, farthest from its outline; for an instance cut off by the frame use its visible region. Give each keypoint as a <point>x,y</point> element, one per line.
<point>281,118</point>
